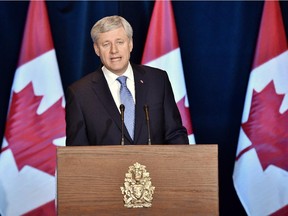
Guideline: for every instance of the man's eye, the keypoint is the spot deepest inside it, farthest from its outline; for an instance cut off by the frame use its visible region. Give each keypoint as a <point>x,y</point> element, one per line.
<point>105,45</point>
<point>120,42</point>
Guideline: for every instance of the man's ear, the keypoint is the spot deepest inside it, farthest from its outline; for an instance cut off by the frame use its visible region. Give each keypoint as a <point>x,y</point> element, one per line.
<point>96,49</point>
<point>131,45</point>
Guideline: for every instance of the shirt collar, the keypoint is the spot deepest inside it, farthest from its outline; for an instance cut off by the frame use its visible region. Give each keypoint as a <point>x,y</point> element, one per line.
<point>111,77</point>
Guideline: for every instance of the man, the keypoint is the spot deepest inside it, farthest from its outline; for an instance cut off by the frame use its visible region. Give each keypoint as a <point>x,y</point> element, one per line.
<point>93,112</point>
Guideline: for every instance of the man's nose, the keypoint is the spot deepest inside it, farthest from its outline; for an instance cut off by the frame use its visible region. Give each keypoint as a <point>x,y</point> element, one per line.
<point>114,48</point>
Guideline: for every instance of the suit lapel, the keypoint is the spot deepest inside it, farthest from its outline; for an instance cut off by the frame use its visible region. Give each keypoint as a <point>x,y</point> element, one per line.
<point>102,91</point>
<point>140,90</point>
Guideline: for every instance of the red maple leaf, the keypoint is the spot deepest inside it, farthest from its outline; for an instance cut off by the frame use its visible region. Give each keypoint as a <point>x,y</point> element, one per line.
<point>267,128</point>
<point>30,135</point>
<point>185,115</point>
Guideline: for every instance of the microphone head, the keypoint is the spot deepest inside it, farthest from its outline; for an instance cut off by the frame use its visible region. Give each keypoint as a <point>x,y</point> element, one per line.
<point>122,107</point>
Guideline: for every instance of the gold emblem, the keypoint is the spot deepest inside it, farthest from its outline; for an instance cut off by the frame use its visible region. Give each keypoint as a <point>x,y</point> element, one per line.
<point>138,190</point>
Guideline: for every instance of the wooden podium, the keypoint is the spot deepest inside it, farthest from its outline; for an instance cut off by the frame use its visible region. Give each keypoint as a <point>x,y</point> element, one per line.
<point>185,178</point>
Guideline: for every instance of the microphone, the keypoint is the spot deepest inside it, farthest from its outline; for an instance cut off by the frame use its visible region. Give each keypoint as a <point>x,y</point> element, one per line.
<point>122,108</point>
<point>146,110</point>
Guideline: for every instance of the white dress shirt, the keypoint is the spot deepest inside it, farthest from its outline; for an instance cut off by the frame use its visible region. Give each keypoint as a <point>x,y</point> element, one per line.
<point>114,84</point>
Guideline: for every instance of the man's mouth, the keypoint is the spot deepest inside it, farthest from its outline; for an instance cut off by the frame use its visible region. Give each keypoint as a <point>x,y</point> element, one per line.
<point>113,59</point>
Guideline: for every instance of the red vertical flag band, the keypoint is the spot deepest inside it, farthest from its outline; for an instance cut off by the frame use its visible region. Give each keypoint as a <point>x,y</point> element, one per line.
<point>261,167</point>
<point>162,51</point>
<point>35,123</point>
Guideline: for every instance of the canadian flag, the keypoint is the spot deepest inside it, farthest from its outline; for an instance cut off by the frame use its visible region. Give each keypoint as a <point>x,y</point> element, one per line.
<point>35,123</point>
<point>261,168</point>
<point>162,51</point>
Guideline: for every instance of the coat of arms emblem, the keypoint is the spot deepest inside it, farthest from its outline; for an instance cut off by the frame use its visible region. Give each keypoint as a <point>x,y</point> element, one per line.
<point>138,190</point>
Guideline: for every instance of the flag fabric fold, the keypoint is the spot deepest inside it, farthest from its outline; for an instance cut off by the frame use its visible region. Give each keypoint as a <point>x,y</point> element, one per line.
<point>162,51</point>
<point>261,167</point>
<point>35,123</point>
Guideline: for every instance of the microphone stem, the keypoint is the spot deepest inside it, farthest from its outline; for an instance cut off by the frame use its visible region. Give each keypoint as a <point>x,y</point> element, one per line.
<point>122,108</point>
<point>146,109</point>
<point>149,135</point>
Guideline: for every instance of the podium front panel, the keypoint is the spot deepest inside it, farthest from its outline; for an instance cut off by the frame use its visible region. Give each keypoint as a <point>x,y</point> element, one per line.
<point>185,178</point>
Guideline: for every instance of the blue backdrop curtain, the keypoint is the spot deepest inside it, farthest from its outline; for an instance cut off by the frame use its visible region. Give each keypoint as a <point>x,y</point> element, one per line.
<point>217,42</point>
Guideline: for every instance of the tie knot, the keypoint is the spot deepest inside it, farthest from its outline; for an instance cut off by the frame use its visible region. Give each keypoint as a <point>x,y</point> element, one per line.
<point>122,80</point>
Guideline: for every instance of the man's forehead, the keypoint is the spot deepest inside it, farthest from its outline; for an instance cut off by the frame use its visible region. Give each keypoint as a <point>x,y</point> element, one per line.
<point>115,34</point>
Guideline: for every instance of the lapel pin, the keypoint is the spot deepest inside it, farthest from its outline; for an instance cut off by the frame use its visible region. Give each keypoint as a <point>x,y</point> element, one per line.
<point>141,81</point>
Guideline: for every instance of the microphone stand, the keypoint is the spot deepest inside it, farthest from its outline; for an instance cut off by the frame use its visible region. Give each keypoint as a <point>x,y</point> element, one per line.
<point>122,108</point>
<point>146,109</point>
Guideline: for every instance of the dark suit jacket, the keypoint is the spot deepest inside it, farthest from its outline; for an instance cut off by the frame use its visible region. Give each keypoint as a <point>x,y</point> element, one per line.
<point>92,117</point>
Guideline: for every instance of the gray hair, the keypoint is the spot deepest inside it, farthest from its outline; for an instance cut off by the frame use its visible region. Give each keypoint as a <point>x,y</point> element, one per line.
<point>110,23</point>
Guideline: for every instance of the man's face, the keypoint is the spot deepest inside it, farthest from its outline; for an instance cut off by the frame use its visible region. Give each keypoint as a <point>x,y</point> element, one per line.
<point>114,49</point>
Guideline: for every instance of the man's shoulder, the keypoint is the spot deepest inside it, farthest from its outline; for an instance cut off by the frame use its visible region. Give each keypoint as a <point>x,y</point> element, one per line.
<point>87,79</point>
<point>149,70</point>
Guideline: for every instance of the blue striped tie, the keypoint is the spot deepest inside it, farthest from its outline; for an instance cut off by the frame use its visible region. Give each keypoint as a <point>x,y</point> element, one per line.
<point>127,100</point>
